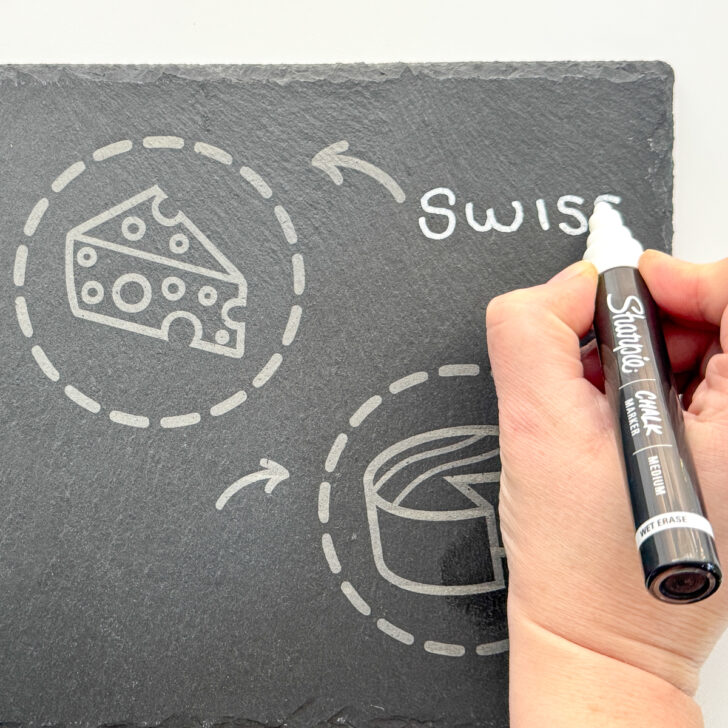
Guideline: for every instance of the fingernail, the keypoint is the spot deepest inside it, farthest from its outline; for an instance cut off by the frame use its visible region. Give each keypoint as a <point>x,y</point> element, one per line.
<point>575,269</point>
<point>655,254</point>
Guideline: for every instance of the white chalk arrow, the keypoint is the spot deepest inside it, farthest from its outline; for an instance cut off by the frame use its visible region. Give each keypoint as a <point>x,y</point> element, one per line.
<point>272,472</point>
<point>330,160</point>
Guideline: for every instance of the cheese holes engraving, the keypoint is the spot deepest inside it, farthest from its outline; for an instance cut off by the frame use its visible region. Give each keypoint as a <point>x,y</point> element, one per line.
<point>207,296</point>
<point>179,243</point>
<point>173,288</point>
<point>86,256</point>
<point>92,293</point>
<point>132,293</point>
<point>127,281</point>
<point>133,228</point>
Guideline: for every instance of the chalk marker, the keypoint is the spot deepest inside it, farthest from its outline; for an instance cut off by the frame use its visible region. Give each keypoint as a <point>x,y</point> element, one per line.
<point>673,535</point>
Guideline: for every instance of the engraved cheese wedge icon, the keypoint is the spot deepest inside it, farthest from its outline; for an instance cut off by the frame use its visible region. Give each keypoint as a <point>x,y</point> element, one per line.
<point>133,268</point>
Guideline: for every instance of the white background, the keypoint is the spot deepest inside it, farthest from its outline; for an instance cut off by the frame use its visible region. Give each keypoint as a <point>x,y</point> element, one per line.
<point>691,36</point>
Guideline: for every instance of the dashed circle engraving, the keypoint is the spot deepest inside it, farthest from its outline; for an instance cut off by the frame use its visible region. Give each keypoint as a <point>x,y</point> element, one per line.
<point>133,229</point>
<point>354,597</point>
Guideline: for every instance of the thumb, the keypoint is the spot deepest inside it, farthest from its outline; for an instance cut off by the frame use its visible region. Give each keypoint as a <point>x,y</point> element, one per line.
<point>697,293</point>
<point>533,344</point>
<point>694,291</point>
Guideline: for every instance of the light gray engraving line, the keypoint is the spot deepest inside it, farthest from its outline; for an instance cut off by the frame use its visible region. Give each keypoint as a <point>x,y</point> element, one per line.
<point>395,632</point>
<point>21,260</point>
<point>330,553</point>
<point>268,370</point>
<point>191,418</point>
<point>112,150</point>
<point>251,176</point>
<point>228,404</point>
<point>464,461</point>
<point>45,363</point>
<point>492,648</point>
<point>36,215</point>
<point>299,274</point>
<point>21,313</point>
<point>323,502</point>
<point>163,142</point>
<point>444,648</point>
<point>365,410</point>
<point>330,159</point>
<point>208,150</point>
<point>159,142</point>
<point>355,598</point>
<point>285,222</point>
<point>459,370</point>
<point>67,176</point>
<point>447,649</point>
<point>410,380</point>
<point>82,400</point>
<point>337,448</point>
<point>272,474</point>
<point>294,319</point>
<point>130,420</point>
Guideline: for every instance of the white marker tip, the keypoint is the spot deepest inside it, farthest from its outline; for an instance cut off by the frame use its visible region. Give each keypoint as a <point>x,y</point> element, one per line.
<point>610,243</point>
<point>604,215</point>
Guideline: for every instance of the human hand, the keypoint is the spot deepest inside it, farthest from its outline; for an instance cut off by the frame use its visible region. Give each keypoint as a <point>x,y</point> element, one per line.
<point>575,574</point>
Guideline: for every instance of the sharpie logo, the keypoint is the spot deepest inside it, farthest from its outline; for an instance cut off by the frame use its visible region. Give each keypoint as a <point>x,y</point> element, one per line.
<point>629,342</point>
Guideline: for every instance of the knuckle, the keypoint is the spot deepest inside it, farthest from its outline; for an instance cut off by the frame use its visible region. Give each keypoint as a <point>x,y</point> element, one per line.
<point>709,282</point>
<point>716,372</point>
<point>506,307</point>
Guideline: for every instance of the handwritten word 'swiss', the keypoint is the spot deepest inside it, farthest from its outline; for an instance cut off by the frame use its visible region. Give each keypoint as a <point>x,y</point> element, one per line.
<point>442,214</point>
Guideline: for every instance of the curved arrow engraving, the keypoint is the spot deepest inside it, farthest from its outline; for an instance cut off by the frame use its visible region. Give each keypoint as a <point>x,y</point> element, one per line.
<point>272,472</point>
<point>330,159</point>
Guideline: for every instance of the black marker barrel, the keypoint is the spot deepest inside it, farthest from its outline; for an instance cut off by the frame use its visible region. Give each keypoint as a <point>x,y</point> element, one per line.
<point>674,537</point>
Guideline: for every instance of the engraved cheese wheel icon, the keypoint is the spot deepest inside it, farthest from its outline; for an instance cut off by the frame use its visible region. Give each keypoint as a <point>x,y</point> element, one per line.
<point>425,483</point>
<point>409,507</point>
<point>136,253</point>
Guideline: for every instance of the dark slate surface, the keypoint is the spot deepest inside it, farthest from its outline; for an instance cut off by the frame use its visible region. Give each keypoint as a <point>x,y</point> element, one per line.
<point>127,596</point>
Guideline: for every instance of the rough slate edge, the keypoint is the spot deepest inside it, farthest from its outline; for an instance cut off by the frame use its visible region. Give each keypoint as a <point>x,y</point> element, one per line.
<point>176,721</point>
<point>282,74</point>
<point>338,720</point>
<point>613,71</point>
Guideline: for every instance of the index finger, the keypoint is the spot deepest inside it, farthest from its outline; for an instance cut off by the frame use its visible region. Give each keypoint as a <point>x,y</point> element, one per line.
<point>533,345</point>
<point>692,291</point>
